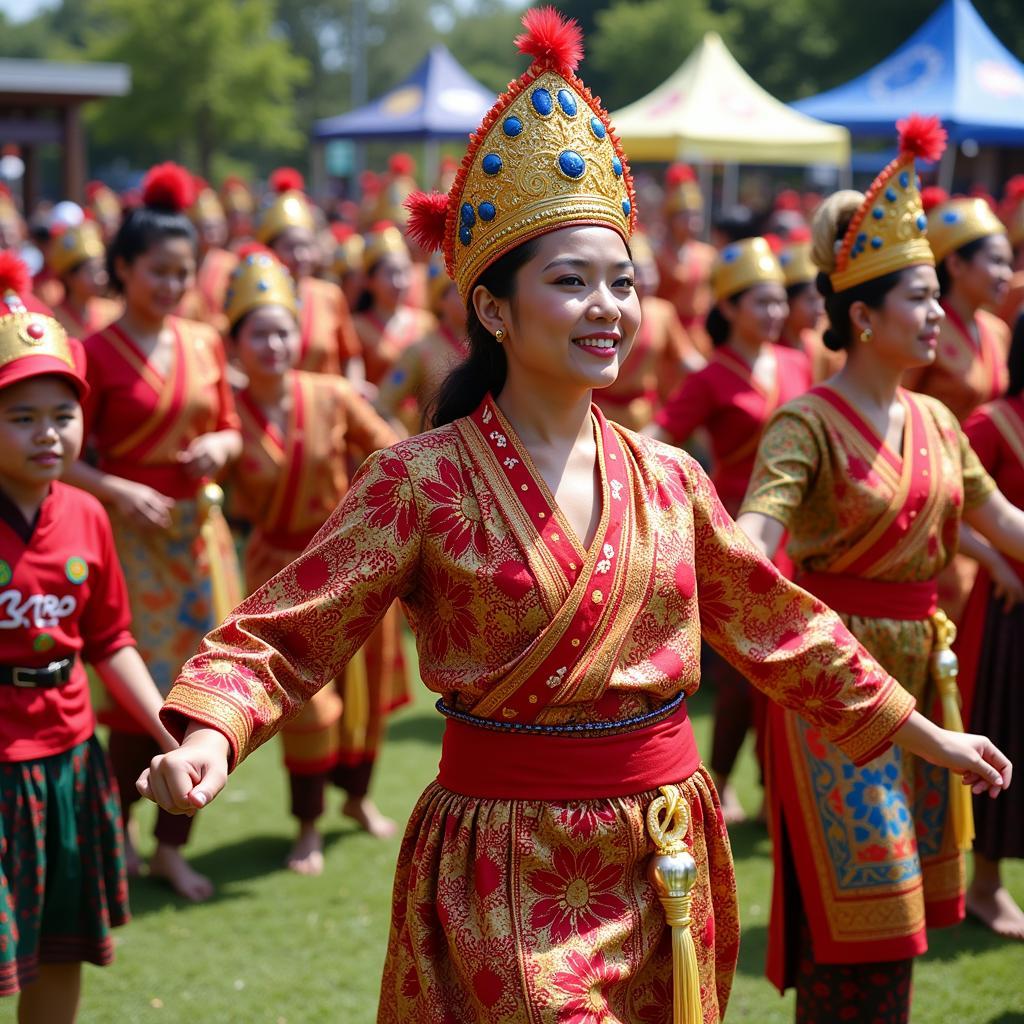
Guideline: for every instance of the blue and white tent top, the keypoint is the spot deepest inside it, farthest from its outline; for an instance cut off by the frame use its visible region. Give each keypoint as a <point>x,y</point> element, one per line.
<point>953,66</point>
<point>439,100</point>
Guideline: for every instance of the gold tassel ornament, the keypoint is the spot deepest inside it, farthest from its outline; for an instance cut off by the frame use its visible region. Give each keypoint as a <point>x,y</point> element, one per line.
<point>673,873</point>
<point>225,573</point>
<point>944,667</point>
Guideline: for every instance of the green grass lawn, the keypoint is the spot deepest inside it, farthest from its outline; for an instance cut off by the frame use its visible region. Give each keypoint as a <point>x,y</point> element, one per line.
<point>274,948</point>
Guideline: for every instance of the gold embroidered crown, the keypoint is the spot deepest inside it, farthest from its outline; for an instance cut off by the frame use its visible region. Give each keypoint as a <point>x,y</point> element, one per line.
<point>543,158</point>
<point>795,258</point>
<point>260,279</point>
<point>207,205</point>
<point>743,264</point>
<point>887,233</point>
<point>289,207</point>
<point>74,246</point>
<point>682,191</point>
<point>958,223</point>
<point>383,239</point>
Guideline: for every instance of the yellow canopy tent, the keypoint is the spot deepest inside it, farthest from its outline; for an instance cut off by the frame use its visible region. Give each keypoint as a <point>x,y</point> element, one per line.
<point>712,111</point>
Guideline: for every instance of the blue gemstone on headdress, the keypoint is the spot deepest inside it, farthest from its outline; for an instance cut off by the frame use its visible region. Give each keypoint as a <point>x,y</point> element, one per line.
<point>890,194</point>
<point>598,128</point>
<point>878,213</point>
<point>876,243</point>
<point>542,102</point>
<point>616,165</point>
<point>262,286</point>
<point>571,163</point>
<point>730,253</point>
<point>512,127</point>
<point>491,164</point>
<point>468,214</point>
<point>951,216</point>
<point>486,211</point>
<point>904,179</point>
<point>567,102</point>
<point>854,253</point>
<point>862,238</point>
<point>922,222</point>
<point>465,235</point>
<point>626,206</point>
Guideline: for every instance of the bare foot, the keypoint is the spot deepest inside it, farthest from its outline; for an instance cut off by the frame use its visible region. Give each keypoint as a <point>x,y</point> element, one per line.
<point>306,857</point>
<point>364,812</point>
<point>732,809</point>
<point>169,864</point>
<point>996,909</point>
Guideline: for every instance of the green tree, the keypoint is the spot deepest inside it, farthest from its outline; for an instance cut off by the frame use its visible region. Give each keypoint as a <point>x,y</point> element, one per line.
<point>208,76</point>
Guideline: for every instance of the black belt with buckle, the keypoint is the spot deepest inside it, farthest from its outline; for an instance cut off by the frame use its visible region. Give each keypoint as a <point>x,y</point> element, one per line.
<point>57,673</point>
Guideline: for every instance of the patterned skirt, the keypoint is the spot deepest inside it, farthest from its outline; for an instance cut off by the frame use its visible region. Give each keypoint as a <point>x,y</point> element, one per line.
<point>538,912</point>
<point>62,871</point>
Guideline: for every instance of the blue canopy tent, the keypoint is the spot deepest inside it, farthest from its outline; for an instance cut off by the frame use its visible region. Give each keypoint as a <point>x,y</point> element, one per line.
<point>439,100</point>
<point>953,66</point>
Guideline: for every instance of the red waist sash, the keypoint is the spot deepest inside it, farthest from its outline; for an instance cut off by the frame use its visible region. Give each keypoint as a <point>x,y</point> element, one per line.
<point>872,599</point>
<point>504,765</point>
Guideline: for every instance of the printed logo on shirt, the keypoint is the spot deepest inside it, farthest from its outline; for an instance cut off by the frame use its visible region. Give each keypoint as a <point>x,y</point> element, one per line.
<point>5,573</point>
<point>76,569</point>
<point>39,611</point>
<point>43,643</point>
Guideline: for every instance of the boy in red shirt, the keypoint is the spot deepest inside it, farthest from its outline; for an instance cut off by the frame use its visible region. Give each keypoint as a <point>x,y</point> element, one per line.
<point>62,601</point>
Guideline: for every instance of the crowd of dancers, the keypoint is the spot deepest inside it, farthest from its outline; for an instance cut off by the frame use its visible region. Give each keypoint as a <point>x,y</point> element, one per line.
<point>395,395</point>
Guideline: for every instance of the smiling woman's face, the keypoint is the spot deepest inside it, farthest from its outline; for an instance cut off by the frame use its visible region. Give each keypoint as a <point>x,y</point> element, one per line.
<point>574,312</point>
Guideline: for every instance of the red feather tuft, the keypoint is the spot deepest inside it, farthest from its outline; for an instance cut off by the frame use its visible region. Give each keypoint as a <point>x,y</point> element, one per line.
<point>922,137</point>
<point>788,200</point>
<point>234,181</point>
<point>774,243</point>
<point>679,174</point>
<point>370,183</point>
<point>428,212</point>
<point>933,196</point>
<point>799,235</point>
<point>93,189</point>
<point>1013,191</point>
<point>287,179</point>
<point>14,275</point>
<point>254,249</point>
<point>341,231</point>
<point>402,165</point>
<point>551,39</point>
<point>168,187</point>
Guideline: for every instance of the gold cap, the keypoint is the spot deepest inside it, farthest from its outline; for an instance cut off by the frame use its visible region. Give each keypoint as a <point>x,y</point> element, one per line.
<point>959,222</point>
<point>682,190</point>
<point>207,205</point>
<point>383,239</point>
<point>795,260</point>
<point>74,246</point>
<point>743,264</point>
<point>260,279</point>
<point>348,251</point>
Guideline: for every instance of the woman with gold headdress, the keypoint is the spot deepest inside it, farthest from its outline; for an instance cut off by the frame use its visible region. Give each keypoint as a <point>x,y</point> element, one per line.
<point>347,262</point>
<point>329,343</point>
<point>871,483</point>
<point>805,323</point>
<point>105,206</point>
<point>385,323</point>
<point>205,300</point>
<point>684,261</point>
<point>299,431</point>
<point>411,387</point>
<point>747,378</point>
<point>239,207</point>
<point>162,423</point>
<point>661,356</point>
<point>78,258</point>
<point>558,571</point>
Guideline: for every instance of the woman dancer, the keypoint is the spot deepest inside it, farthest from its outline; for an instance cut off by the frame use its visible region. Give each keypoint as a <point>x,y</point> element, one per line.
<point>557,571</point>
<point>871,482</point>
<point>78,258</point>
<point>161,422</point>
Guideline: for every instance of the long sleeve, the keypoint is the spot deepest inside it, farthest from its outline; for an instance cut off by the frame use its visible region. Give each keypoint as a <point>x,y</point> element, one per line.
<point>787,643</point>
<point>300,629</point>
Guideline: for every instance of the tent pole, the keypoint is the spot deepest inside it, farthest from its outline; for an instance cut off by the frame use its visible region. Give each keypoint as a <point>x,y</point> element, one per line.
<point>730,185</point>
<point>706,177</point>
<point>947,166</point>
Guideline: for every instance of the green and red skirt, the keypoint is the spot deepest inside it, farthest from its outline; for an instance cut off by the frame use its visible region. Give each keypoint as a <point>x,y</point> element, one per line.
<point>63,884</point>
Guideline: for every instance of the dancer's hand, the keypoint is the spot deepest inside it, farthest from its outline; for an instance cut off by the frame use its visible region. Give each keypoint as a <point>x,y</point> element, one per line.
<point>188,778</point>
<point>142,504</point>
<point>982,765</point>
<point>1006,584</point>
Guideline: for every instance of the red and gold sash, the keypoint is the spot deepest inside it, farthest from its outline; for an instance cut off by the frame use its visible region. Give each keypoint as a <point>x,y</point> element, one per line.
<point>1007,421</point>
<point>916,481</point>
<point>986,351</point>
<point>732,361</point>
<point>213,275</point>
<point>589,594</point>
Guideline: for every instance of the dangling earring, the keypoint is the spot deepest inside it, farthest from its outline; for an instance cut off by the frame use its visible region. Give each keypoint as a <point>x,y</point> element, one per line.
<point>866,335</point>
<point>499,335</point>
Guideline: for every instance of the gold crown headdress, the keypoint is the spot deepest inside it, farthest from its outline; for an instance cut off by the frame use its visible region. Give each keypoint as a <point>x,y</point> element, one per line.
<point>887,233</point>
<point>959,222</point>
<point>235,196</point>
<point>103,201</point>
<point>795,259</point>
<point>288,209</point>
<point>682,190</point>
<point>72,247</point>
<point>349,249</point>
<point>207,205</point>
<point>260,279</point>
<point>383,239</point>
<point>743,264</point>
<point>544,157</point>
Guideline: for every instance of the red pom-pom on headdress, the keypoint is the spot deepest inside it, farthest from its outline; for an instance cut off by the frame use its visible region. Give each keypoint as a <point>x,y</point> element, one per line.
<point>93,189</point>
<point>788,200</point>
<point>370,183</point>
<point>14,274</point>
<point>933,196</point>
<point>1014,189</point>
<point>168,186</point>
<point>402,165</point>
<point>775,243</point>
<point>551,39</point>
<point>428,212</point>
<point>799,235</point>
<point>287,179</point>
<point>341,231</point>
<point>679,174</point>
<point>922,137</point>
<point>254,249</point>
